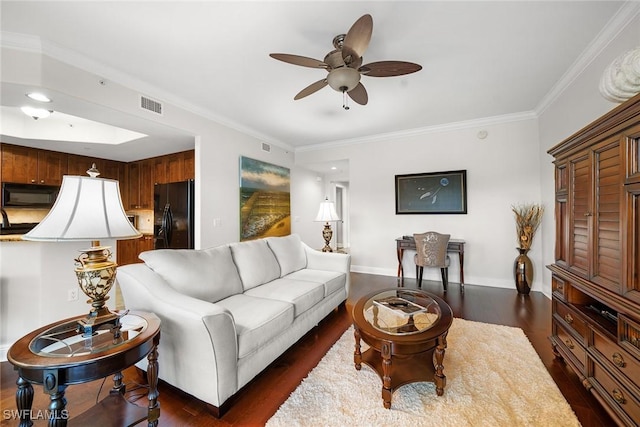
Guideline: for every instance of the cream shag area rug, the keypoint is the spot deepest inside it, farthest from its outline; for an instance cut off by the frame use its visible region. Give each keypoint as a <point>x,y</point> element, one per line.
<point>494,378</point>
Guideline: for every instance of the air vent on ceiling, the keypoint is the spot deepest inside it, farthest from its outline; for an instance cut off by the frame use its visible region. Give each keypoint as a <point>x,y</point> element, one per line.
<point>150,105</point>
<point>266,147</point>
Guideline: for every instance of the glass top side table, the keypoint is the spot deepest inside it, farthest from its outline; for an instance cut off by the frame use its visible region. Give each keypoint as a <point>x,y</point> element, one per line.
<point>63,340</point>
<point>57,355</point>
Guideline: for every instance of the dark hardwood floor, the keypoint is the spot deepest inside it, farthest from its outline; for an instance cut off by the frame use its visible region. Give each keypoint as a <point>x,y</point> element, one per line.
<point>260,399</point>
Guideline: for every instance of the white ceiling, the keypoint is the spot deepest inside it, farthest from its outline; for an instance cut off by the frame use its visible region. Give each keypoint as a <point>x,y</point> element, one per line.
<point>480,59</point>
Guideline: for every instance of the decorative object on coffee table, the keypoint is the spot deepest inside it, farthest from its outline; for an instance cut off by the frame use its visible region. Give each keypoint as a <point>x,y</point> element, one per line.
<point>528,218</point>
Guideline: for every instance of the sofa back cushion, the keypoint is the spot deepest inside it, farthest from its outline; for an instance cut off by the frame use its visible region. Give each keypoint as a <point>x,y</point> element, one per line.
<point>207,274</point>
<point>256,263</point>
<point>289,253</point>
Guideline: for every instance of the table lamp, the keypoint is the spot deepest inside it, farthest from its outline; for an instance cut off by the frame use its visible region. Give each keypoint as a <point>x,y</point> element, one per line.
<point>89,209</point>
<point>326,213</point>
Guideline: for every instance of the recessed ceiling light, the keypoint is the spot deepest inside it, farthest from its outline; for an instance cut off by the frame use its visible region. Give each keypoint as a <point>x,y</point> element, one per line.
<point>36,113</point>
<point>37,96</point>
<point>333,168</point>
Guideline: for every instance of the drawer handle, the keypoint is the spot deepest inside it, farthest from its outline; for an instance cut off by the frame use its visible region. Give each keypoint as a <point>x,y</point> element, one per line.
<point>618,396</point>
<point>618,360</point>
<point>569,344</point>
<point>568,318</point>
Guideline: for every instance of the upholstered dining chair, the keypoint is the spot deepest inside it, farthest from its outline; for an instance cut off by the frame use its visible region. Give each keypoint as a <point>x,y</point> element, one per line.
<point>431,251</point>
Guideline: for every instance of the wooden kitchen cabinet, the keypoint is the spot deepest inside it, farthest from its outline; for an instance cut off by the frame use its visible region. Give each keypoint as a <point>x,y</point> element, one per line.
<point>78,165</point>
<point>175,167</point>
<point>26,165</point>
<point>180,166</point>
<point>140,184</point>
<point>128,250</point>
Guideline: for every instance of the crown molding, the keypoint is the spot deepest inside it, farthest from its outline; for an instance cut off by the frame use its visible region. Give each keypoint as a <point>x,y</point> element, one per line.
<point>448,127</point>
<point>22,42</point>
<point>616,24</point>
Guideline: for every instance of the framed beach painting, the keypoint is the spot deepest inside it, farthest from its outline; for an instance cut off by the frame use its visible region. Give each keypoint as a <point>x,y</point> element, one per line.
<point>432,193</point>
<point>265,208</point>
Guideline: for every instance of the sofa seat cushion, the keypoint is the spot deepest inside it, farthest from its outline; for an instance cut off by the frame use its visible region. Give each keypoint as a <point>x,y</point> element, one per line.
<point>207,274</point>
<point>302,294</point>
<point>332,280</point>
<point>256,263</point>
<point>258,320</point>
<point>289,252</point>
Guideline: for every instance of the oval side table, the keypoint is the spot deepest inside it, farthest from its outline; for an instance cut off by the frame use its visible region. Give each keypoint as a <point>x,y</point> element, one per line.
<point>57,355</point>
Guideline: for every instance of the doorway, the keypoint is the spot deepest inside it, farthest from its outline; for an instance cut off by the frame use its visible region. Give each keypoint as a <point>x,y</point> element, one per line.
<point>342,226</point>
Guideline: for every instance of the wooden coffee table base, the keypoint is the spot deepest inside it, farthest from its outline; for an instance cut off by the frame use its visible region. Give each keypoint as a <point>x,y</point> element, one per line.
<point>398,370</point>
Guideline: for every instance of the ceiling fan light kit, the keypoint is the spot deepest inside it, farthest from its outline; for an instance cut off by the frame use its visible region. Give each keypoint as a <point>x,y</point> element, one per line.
<point>344,64</point>
<point>343,79</point>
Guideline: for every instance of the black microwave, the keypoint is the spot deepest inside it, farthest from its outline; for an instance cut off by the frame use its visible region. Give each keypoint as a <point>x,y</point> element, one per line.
<point>28,195</point>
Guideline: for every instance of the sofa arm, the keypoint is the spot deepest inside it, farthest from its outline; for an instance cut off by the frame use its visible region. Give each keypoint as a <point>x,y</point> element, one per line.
<point>331,261</point>
<point>203,330</point>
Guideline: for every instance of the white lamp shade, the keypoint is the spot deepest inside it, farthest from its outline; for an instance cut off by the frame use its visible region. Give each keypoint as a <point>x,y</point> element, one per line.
<point>327,212</point>
<point>86,209</point>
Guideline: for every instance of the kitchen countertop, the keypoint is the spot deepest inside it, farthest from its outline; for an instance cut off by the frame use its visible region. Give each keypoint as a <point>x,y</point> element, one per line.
<point>11,238</point>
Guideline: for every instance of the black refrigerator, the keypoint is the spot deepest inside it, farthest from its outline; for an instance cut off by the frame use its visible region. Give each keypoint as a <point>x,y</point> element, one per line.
<point>173,206</point>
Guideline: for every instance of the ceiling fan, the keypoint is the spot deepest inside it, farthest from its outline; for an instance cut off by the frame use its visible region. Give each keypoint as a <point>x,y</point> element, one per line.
<point>344,64</point>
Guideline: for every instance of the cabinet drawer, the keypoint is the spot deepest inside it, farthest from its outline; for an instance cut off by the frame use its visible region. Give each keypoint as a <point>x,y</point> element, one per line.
<point>571,320</point>
<point>559,287</point>
<point>617,394</point>
<point>623,361</point>
<point>629,335</point>
<point>569,342</point>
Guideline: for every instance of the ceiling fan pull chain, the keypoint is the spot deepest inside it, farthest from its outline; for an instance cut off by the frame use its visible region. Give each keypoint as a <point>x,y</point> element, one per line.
<point>345,99</point>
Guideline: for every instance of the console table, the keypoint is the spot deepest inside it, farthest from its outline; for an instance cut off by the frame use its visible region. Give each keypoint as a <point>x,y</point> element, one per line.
<point>57,355</point>
<point>407,242</point>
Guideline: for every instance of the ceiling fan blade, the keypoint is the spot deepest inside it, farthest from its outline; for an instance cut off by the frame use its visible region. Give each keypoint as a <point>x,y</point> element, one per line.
<point>357,39</point>
<point>312,88</point>
<point>298,60</point>
<point>389,68</point>
<point>359,94</point>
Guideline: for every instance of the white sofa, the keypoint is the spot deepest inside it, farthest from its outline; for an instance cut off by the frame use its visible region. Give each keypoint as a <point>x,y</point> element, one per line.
<point>229,311</point>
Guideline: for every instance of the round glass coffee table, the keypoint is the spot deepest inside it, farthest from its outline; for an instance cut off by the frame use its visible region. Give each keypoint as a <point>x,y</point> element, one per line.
<point>406,330</point>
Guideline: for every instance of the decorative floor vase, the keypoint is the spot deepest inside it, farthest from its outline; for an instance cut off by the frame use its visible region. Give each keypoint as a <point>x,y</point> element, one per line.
<point>523,272</point>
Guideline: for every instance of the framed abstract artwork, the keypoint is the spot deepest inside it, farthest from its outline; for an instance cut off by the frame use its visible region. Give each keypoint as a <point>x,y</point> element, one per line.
<point>265,208</point>
<point>432,193</point>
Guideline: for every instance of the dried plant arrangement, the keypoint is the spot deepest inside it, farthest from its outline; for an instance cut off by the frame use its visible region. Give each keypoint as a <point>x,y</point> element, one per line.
<point>528,219</point>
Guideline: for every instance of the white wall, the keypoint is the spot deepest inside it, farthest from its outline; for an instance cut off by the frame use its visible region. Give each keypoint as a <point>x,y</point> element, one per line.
<point>307,192</point>
<point>502,170</point>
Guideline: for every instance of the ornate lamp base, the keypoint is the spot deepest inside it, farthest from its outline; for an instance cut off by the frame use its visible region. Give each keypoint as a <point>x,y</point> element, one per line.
<point>327,234</point>
<point>96,274</point>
